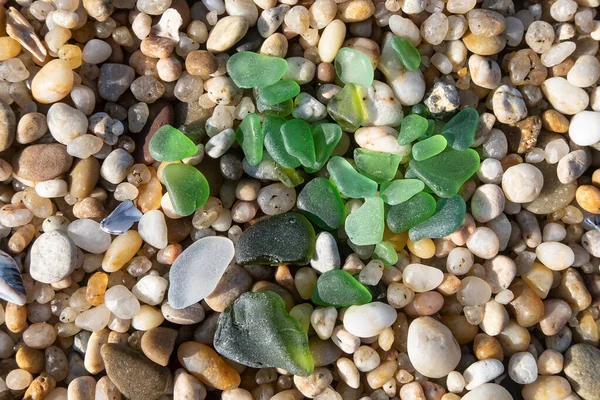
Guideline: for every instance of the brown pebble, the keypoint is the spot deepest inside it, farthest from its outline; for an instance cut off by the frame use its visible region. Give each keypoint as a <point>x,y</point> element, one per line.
<point>160,113</point>
<point>432,390</point>
<point>42,162</point>
<point>201,62</point>
<point>525,68</point>
<point>16,317</point>
<point>83,177</point>
<point>462,331</point>
<point>91,208</point>
<point>157,47</point>
<point>562,69</point>
<point>572,290</point>
<point>21,239</point>
<point>482,45</point>
<point>554,121</point>
<point>588,197</point>
<point>40,387</point>
<point>485,22</point>
<point>356,10</point>
<point>82,388</point>
<point>485,346</point>
<point>235,281</point>
<point>526,306</point>
<point>205,364</point>
<point>31,360</point>
<point>158,344</point>
<point>523,135</point>
<point>326,73</point>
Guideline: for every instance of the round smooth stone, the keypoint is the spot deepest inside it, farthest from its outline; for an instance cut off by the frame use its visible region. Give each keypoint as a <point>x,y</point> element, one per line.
<point>522,183</point>
<point>87,235</point>
<point>488,391</point>
<point>422,278</point>
<point>565,97</point>
<point>153,229</point>
<point>369,320</point>
<point>584,129</point>
<point>555,255</point>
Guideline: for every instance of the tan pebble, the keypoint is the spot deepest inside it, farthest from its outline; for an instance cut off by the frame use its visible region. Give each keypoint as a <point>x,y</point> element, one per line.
<point>205,364</point>
<point>9,48</point>
<point>158,344</point>
<point>432,390</point>
<point>121,250</point>
<point>201,62</point>
<point>39,335</point>
<point>588,197</point>
<point>485,346</point>
<point>275,45</point>
<point>82,388</point>
<point>487,23</point>
<point>187,387</point>
<point>53,82</point>
<point>526,306</point>
<point>314,384</point>
<point>31,360</point>
<point>106,390</point>
<point>42,162</point>
<point>355,11</point>
<point>412,391</point>
<point>21,239</point>
<point>157,47</point>
<point>550,362</point>
<point>83,177</point>
<point>18,379</point>
<point>233,283</point>
<point>383,373</point>
<point>586,330</point>
<point>227,32</point>
<point>547,388</point>
<point>539,279</point>
<point>482,45</point>
<point>31,127</point>
<point>573,290</point>
<point>15,317</point>
<point>150,194</point>
<point>462,331</point>
<point>93,359</point>
<point>514,338</point>
<point>91,208</point>
<point>554,121</point>
<point>96,287</point>
<point>40,387</point>
<point>450,285</point>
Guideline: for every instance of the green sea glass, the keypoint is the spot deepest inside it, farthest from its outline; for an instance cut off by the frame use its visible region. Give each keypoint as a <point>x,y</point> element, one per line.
<point>413,127</point>
<point>377,165</point>
<point>413,211</point>
<point>274,142</point>
<point>250,136</point>
<point>460,130</point>
<point>249,70</point>
<point>337,288</point>
<point>326,137</point>
<point>429,147</point>
<point>170,144</point>
<point>449,215</point>
<point>348,181</point>
<point>321,203</point>
<point>258,332</point>
<point>353,66</point>
<point>278,92</point>
<point>365,225</point>
<point>385,252</point>
<point>298,141</point>
<point>188,189</point>
<point>346,108</point>
<point>281,239</point>
<point>446,172</point>
<point>277,110</point>
<point>400,190</point>
<point>407,53</point>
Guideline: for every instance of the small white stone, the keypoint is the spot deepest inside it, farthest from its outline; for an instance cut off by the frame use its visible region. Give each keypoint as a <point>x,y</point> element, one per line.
<point>369,320</point>
<point>52,188</point>
<point>481,372</point>
<point>522,183</point>
<point>94,319</point>
<point>474,291</point>
<point>148,318</point>
<point>326,256</point>
<point>380,138</point>
<point>455,382</point>
<point>150,289</point>
<point>565,97</point>
<point>522,368</point>
<point>555,255</point>
<point>488,391</point>
<point>584,129</point>
<point>372,273</point>
<point>422,278</point>
<point>153,229</point>
<point>323,320</point>
<point>65,123</point>
<point>121,302</point>
<point>558,53</point>
<point>487,202</point>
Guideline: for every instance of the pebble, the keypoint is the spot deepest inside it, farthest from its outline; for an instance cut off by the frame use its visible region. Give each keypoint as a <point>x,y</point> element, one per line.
<point>422,278</point>
<point>508,104</point>
<point>42,162</point>
<point>326,255</point>
<point>522,183</point>
<point>482,372</point>
<point>487,202</point>
<point>585,72</point>
<point>53,257</point>
<point>484,72</point>
<point>368,320</point>
<point>116,166</point>
<point>555,255</point>
<point>432,349</point>
<point>565,97</point>
<point>150,289</point>
<point>547,387</point>
<point>276,199</point>
<point>522,368</point>
<point>580,367</point>
<point>87,235</point>
<point>53,82</point>
<point>483,243</point>
<point>583,128</point>
<point>488,391</point>
<point>81,388</point>
<point>205,364</point>
<point>133,374</point>
<point>227,32</point>
<point>572,166</point>
<point>331,40</point>
<point>114,80</point>
<point>121,302</point>
<point>158,344</point>
<point>152,228</point>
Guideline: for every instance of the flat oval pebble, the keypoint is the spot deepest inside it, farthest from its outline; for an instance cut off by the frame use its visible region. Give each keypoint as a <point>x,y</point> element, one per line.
<point>197,271</point>
<point>88,235</point>
<point>422,278</point>
<point>488,391</point>
<point>432,349</point>
<point>369,320</point>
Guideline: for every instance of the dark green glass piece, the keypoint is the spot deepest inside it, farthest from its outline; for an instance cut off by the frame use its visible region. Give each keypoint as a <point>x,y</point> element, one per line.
<point>460,130</point>
<point>321,203</point>
<point>449,215</point>
<point>377,165</point>
<point>413,211</point>
<point>274,142</point>
<point>413,127</point>
<point>337,288</point>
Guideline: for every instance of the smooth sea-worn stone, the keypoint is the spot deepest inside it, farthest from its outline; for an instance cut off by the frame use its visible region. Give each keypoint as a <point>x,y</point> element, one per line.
<point>584,128</point>
<point>250,70</point>
<point>488,391</point>
<point>170,144</point>
<point>187,187</point>
<point>251,137</point>
<point>405,215</point>
<point>320,201</point>
<point>327,255</point>
<point>365,226</point>
<point>554,195</point>
<point>42,162</point>
<point>400,190</point>
<point>369,320</point>
<point>8,125</point>
<point>349,181</point>
<point>134,375</point>
<point>197,271</point>
<point>338,288</point>
<point>446,172</point>
<point>460,130</point>
<point>11,286</point>
<point>449,215</point>
<point>53,257</point>
<point>121,218</point>
<point>432,349</point>
<point>582,366</point>
<point>88,235</point>
<point>114,80</point>
<point>376,165</point>
<point>257,331</point>
<point>353,66</point>
<point>281,239</point>
<point>152,228</point>
<point>227,32</point>
<point>158,344</point>
<point>408,55</point>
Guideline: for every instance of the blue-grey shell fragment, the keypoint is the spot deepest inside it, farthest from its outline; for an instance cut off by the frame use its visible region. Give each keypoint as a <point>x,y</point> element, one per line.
<point>121,219</point>
<point>11,283</point>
